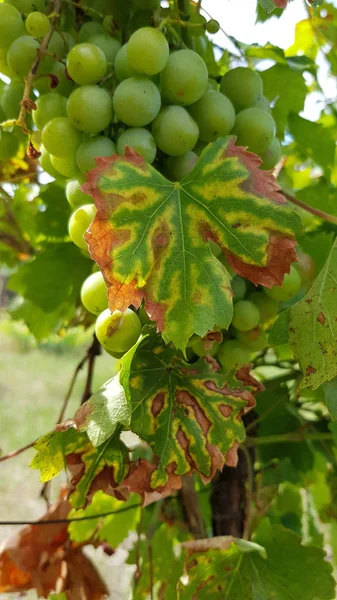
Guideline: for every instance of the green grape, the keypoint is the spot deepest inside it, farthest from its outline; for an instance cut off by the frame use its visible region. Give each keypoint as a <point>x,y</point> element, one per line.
<point>263,103</point>
<point>57,46</point>
<point>89,29</point>
<point>200,45</point>
<point>145,4</point>
<point>118,331</point>
<point>254,128</point>
<point>65,166</point>
<point>239,288</point>
<point>180,166</point>
<point>148,51</point>
<point>267,306</point>
<point>79,222</point>
<point>140,140</point>
<point>232,354</point>
<point>48,107</point>
<point>107,44</point>
<point>214,115</point>
<point>46,164</point>
<point>242,86</point>
<point>94,293</point>
<point>22,54</point>
<point>74,194</point>
<point>174,131</point>
<point>245,315</point>
<point>37,24</point>
<point>256,339</point>
<point>91,149</point>
<point>4,68</point>
<point>136,101</point>
<point>11,97</point>
<point>68,40</point>
<point>9,145</point>
<point>212,85</point>
<point>212,26</point>
<point>122,67</point>
<point>27,6</point>
<point>60,138</point>
<point>89,108</point>
<point>185,77</point>
<point>11,25</point>
<point>141,18</point>
<point>199,349</point>
<point>196,25</point>
<point>65,86</point>
<point>271,155</point>
<point>86,63</point>
<point>291,286</point>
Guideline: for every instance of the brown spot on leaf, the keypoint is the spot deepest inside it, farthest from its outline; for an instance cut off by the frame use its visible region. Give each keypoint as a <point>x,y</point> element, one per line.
<point>309,370</point>
<point>308,300</point>
<point>321,318</point>
<point>225,410</point>
<point>157,404</point>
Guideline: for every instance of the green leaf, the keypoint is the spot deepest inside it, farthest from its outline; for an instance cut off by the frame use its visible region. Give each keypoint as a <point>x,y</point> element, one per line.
<point>190,415</point>
<point>53,220</point>
<point>313,327</point>
<point>262,15</point>
<point>289,571</point>
<point>279,332</point>
<point>51,450</point>
<point>39,323</point>
<point>113,528</point>
<point>150,236</point>
<point>314,140</point>
<point>268,5</point>
<point>53,278</point>
<point>330,393</point>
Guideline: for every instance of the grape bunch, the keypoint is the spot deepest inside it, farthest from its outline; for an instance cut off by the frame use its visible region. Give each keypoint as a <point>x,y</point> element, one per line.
<point>94,96</point>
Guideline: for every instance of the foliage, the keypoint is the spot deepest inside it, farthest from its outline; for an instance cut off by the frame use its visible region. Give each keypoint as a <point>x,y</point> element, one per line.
<point>213,440</point>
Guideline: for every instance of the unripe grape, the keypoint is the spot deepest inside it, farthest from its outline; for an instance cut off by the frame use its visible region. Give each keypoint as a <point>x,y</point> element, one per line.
<point>90,150</point>
<point>89,29</point>
<point>254,128</point>
<point>11,25</point>
<point>271,155</point>
<point>65,86</point>
<point>60,138</point>
<point>66,166</point>
<point>263,103</point>
<point>11,97</point>
<point>22,54</point>
<point>256,339</point>
<point>289,289</point>
<point>196,25</point>
<point>174,131</point>
<point>185,77</point>
<point>232,354</point>
<point>245,315</point>
<point>148,51</point>
<point>89,108</point>
<point>212,85</point>
<point>37,24</point>
<point>48,107</point>
<point>86,63</point>
<point>122,67</point>
<point>180,167</point>
<point>107,44</point>
<point>140,140</point>
<point>239,288</point>
<point>268,307</point>
<point>136,101</point>
<point>9,145</point>
<point>74,194</point>
<point>212,26</point>
<point>214,115</point>
<point>94,293</point>
<point>117,331</point>
<point>199,349</point>
<point>79,222</point>
<point>242,86</point>
<point>46,164</point>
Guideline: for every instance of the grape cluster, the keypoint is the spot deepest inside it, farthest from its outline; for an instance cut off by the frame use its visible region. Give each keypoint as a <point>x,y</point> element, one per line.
<point>95,96</point>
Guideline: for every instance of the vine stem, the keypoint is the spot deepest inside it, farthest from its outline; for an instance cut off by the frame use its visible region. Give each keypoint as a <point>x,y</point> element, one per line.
<point>314,211</point>
<point>26,102</point>
<point>287,437</point>
<point>249,493</point>
<point>184,10</point>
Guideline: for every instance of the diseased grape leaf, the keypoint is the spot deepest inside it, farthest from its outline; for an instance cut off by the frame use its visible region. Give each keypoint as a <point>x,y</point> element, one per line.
<point>150,236</point>
<point>242,570</point>
<point>42,558</point>
<point>190,415</point>
<point>313,327</point>
<point>270,5</point>
<point>51,450</point>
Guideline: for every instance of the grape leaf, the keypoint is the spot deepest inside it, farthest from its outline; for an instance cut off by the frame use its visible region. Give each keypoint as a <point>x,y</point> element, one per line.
<point>190,415</point>
<point>289,570</point>
<point>150,236</point>
<point>314,140</point>
<point>53,220</point>
<point>51,450</point>
<point>330,393</point>
<point>313,327</point>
